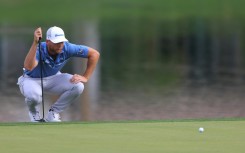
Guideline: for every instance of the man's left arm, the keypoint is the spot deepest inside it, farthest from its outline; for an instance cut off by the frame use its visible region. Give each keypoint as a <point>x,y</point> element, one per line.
<point>93,57</point>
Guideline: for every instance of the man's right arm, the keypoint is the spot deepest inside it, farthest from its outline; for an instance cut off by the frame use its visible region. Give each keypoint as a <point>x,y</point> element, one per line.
<point>30,60</point>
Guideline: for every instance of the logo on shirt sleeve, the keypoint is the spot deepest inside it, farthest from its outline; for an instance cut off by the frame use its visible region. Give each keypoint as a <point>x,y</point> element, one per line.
<point>81,52</point>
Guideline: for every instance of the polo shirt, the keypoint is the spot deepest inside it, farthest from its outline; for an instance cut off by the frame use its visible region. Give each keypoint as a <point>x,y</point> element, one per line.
<point>49,65</point>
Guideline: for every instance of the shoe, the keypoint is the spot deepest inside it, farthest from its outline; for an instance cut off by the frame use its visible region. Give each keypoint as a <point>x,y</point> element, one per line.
<point>53,116</point>
<point>35,117</point>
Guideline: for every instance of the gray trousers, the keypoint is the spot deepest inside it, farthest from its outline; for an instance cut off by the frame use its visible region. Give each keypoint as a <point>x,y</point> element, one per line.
<point>58,84</point>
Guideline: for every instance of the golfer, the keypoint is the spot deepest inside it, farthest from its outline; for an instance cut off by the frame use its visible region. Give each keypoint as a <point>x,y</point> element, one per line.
<point>56,51</point>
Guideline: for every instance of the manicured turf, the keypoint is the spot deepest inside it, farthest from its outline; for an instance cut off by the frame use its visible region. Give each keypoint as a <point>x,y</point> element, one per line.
<point>182,136</point>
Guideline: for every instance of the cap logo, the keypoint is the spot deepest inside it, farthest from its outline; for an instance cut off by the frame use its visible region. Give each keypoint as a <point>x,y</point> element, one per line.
<point>57,35</point>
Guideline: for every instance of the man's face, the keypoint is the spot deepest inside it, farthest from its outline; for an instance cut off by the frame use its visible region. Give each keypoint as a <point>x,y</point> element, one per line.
<point>53,48</point>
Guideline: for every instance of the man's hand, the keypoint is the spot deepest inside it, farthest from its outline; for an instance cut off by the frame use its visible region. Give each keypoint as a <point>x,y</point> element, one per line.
<point>37,34</point>
<point>78,78</point>
<point>30,61</point>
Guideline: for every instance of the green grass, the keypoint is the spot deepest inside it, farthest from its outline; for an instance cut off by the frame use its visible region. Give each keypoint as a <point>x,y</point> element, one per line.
<point>178,136</point>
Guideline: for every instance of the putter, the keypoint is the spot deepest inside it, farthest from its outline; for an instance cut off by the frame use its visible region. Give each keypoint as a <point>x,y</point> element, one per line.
<point>41,70</point>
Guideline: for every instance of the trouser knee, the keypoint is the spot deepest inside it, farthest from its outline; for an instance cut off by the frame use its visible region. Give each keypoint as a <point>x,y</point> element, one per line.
<point>78,89</point>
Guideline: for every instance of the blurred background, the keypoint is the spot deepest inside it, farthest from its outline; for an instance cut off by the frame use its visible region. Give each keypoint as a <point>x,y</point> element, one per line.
<point>159,59</point>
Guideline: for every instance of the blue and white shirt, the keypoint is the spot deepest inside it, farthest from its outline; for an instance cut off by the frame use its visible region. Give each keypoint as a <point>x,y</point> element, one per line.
<point>50,66</point>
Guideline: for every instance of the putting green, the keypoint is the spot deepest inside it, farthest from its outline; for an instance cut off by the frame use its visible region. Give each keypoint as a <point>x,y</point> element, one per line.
<point>178,136</point>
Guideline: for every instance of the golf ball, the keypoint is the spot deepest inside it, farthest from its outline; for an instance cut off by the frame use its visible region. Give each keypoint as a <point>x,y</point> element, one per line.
<point>201,129</point>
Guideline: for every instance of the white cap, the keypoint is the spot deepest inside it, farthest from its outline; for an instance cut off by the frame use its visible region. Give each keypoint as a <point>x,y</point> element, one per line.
<point>56,35</point>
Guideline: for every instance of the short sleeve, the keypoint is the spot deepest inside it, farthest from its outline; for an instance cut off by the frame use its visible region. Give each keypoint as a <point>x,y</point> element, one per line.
<point>77,50</point>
